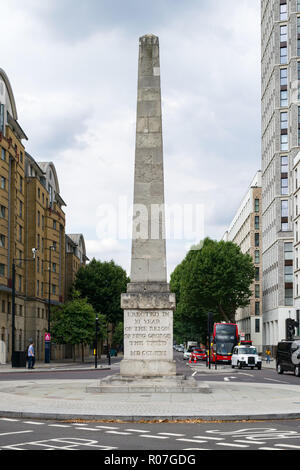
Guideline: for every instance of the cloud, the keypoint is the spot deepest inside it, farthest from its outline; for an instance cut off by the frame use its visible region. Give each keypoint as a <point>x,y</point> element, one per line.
<point>73,69</point>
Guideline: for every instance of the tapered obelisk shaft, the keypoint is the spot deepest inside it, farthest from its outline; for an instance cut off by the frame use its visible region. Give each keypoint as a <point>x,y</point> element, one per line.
<point>148,262</point>
<point>148,304</point>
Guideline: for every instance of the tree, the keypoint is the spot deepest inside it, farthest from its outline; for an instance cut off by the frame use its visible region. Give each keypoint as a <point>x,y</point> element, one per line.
<point>102,283</point>
<point>74,323</point>
<point>214,277</point>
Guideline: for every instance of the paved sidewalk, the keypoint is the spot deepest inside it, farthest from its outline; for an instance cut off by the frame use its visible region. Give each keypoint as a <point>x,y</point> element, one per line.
<point>70,399</point>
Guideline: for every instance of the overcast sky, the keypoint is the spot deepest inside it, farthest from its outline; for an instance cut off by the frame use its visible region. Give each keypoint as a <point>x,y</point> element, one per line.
<point>72,65</point>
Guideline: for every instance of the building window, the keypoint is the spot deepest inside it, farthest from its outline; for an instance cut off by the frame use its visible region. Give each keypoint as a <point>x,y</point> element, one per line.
<point>289,297</point>
<point>284,142</point>
<point>2,269</point>
<point>283,120</point>
<point>283,77</point>
<point>283,98</point>
<point>257,274</point>
<point>2,118</point>
<point>256,205</point>
<point>257,291</point>
<point>2,212</point>
<point>283,12</point>
<point>257,308</point>
<point>256,239</point>
<point>288,251</point>
<point>3,182</point>
<point>284,186</point>
<point>283,55</point>
<point>298,33</point>
<point>2,241</point>
<point>283,33</point>
<point>256,257</point>
<point>257,325</point>
<point>256,222</point>
<point>284,164</point>
<point>284,208</point>
<point>288,274</point>
<point>3,154</point>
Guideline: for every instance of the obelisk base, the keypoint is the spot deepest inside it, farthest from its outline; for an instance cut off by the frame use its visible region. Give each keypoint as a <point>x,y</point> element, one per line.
<point>147,368</point>
<point>148,330</point>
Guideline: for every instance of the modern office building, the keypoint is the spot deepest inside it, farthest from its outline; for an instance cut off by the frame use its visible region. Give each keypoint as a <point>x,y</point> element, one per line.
<point>245,231</point>
<point>280,27</point>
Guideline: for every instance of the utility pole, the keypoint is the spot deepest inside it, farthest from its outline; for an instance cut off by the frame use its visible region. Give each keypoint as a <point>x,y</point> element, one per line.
<point>15,360</point>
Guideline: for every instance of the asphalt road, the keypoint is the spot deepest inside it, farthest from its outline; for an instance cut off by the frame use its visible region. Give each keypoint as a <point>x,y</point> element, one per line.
<point>200,371</point>
<point>18,434</point>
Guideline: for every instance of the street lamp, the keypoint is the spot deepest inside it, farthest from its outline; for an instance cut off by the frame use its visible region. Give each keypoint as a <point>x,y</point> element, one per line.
<point>14,356</point>
<point>48,343</point>
<point>96,345</point>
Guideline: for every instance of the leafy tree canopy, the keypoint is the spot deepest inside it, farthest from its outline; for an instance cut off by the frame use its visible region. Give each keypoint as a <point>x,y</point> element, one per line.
<point>102,283</point>
<point>214,277</point>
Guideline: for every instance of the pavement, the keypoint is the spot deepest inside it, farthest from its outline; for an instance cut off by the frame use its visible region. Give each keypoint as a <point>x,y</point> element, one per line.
<point>78,399</point>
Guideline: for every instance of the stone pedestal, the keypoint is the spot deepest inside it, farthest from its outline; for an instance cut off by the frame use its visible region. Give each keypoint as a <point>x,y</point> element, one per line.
<point>148,330</point>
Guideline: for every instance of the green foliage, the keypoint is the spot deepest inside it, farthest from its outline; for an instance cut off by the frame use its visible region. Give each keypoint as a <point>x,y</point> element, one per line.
<point>102,283</point>
<point>73,323</point>
<point>214,277</point>
<point>118,335</point>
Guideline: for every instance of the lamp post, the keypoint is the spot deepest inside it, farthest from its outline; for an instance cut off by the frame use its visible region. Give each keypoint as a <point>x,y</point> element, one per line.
<point>96,344</point>
<point>48,343</point>
<point>14,359</point>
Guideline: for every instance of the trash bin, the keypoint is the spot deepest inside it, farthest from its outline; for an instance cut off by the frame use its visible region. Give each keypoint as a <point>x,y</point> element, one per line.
<point>18,359</point>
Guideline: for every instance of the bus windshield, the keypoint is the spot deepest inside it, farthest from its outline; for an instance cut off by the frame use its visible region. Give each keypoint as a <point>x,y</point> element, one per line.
<point>223,349</point>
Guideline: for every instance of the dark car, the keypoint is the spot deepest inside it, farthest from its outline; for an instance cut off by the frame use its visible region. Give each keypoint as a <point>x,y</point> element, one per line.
<point>288,357</point>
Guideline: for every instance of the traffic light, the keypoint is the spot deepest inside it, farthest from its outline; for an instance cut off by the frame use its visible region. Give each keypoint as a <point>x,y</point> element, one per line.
<point>290,326</point>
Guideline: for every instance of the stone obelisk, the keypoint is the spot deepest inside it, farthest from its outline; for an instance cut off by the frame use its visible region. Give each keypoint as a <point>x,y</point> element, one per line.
<point>148,304</point>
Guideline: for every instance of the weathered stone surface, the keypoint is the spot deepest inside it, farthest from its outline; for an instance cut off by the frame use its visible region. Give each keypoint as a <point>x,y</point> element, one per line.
<point>148,304</point>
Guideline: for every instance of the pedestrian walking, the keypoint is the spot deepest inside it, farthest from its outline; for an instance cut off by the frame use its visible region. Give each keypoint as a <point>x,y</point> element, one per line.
<point>268,354</point>
<point>31,355</point>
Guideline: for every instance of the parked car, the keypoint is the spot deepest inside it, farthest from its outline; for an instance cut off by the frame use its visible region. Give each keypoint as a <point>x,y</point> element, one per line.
<point>186,354</point>
<point>245,356</point>
<point>180,348</point>
<point>288,357</point>
<point>198,354</point>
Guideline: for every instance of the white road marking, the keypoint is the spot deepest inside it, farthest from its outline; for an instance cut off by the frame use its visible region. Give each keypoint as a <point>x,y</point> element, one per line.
<point>9,419</point>
<point>59,425</point>
<point>274,380</point>
<point>136,430</point>
<point>211,438</point>
<point>249,442</point>
<point>33,422</point>
<point>231,445</point>
<point>16,432</point>
<point>170,434</point>
<point>191,440</point>
<point>107,427</point>
<point>154,437</point>
<point>122,433</point>
<point>194,448</point>
<point>287,445</point>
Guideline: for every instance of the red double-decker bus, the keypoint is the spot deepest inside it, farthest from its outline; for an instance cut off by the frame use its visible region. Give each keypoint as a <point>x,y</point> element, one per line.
<point>225,337</point>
